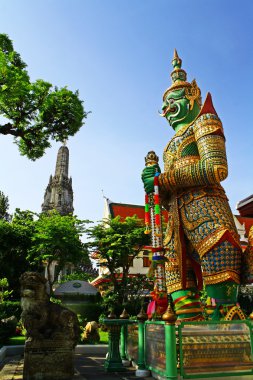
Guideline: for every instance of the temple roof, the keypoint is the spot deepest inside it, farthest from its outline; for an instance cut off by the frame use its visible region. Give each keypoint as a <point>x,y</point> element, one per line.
<point>124,209</point>
<point>246,221</point>
<point>245,206</point>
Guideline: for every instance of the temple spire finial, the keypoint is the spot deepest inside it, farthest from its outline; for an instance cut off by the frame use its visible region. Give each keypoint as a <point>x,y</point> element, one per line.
<point>175,54</point>
<point>176,61</point>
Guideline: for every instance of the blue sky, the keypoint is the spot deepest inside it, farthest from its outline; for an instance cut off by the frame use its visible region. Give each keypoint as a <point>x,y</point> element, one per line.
<point>118,53</point>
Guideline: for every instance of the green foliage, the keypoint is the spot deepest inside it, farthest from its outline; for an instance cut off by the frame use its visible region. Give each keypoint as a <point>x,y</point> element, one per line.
<point>4,294</point>
<point>103,336</point>
<point>57,237</point>
<point>55,300</point>
<point>4,207</point>
<point>9,315</point>
<point>16,340</point>
<point>9,308</point>
<point>36,112</point>
<point>116,242</point>
<point>27,243</point>
<point>4,283</point>
<point>81,276</point>
<point>137,288</point>
<point>15,241</point>
<point>82,321</point>
<point>110,302</point>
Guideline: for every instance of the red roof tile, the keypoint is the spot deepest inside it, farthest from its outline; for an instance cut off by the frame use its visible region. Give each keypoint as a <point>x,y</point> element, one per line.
<point>124,210</point>
<point>245,207</point>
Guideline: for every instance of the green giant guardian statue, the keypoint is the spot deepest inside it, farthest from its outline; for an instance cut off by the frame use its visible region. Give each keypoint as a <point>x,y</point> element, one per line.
<point>201,243</point>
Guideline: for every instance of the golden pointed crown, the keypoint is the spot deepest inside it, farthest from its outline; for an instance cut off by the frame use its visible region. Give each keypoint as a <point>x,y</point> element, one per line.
<point>179,80</point>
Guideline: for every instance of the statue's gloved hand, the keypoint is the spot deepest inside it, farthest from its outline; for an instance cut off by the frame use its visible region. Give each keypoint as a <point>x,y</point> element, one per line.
<point>147,177</point>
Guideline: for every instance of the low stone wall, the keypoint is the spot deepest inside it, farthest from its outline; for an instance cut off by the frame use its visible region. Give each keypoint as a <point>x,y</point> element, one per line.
<point>11,351</point>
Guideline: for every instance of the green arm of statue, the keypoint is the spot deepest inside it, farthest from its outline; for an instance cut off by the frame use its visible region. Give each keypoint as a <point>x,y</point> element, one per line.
<point>147,177</point>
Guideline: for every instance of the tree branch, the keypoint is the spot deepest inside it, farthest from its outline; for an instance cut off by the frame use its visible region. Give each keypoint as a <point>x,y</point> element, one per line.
<point>8,129</point>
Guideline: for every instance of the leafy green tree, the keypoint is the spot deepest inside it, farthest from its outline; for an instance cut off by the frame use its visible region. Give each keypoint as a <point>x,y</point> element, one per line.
<point>31,242</point>
<point>137,287</point>
<point>57,238</point>
<point>15,241</point>
<point>4,206</point>
<point>34,112</point>
<point>117,243</point>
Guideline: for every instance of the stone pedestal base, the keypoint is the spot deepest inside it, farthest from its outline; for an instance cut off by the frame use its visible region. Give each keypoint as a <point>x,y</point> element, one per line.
<point>48,360</point>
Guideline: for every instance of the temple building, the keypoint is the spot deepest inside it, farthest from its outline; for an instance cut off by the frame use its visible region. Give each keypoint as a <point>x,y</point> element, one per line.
<point>141,263</point>
<point>59,193</point>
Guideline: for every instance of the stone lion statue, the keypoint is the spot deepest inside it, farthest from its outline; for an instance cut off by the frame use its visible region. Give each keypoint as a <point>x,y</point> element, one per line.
<point>42,318</point>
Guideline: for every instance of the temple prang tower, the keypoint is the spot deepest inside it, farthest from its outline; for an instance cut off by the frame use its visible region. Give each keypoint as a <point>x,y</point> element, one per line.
<point>59,193</point>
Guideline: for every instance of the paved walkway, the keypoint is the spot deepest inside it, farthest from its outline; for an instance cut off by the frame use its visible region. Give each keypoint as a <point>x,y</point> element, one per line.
<point>87,367</point>
<point>92,368</point>
<point>12,368</point>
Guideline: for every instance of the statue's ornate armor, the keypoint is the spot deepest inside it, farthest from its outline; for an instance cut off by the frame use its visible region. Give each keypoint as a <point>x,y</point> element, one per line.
<point>201,232</point>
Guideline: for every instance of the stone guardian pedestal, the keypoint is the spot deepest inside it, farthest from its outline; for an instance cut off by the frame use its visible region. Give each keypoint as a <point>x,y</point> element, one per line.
<point>48,360</point>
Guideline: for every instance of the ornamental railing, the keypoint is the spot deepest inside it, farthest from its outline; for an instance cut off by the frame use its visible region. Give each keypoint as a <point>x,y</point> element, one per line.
<point>193,349</point>
<point>212,349</point>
